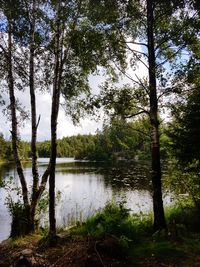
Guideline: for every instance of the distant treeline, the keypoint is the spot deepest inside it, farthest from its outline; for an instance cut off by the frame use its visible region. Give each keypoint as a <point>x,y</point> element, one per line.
<point>121,140</point>
<point>116,141</point>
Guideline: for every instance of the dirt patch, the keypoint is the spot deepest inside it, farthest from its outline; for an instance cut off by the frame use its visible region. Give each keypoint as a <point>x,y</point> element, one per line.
<point>93,253</point>
<point>70,252</point>
<point>73,251</point>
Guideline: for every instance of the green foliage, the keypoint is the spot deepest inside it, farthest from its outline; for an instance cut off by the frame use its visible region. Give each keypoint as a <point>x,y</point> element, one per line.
<point>119,140</point>
<point>6,153</point>
<point>185,129</point>
<point>43,149</point>
<point>135,234</point>
<point>183,219</point>
<point>121,102</point>
<point>115,220</point>
<point>5,149</point>
<point>165,251</point>
<point>184,134</point>
<point>110,221</point>
<point>20,224</point>
<point>184,181</point>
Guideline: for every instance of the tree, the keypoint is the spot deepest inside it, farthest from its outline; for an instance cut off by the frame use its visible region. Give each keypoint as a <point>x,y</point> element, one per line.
<point>19,31</point>
<point>3,147</point>
<point>155,27</point>
<point>159,219</point>
<point>121,139</point>
<point>184,132</point>
<point>60,55</point>
<point>77,51</point>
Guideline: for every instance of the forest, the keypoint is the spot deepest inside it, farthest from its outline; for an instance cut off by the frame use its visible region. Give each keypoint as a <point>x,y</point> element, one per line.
<point>119,140</point>
<point>147,53</point>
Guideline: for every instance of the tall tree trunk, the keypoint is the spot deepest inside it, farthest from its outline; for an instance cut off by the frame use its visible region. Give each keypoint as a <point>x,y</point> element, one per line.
<point>159,218</point>
<point>54,116</point>
<point>16,228</point>
<point>14,124</point>
<point>37,190</point>
<point>33,117</point>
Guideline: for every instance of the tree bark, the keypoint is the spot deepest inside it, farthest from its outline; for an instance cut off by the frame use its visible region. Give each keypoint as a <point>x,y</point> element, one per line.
<point>35,174</point>
<point>37,189</point>
<point>54,116</point>
<point>159,218</point>
<point>14,131</point>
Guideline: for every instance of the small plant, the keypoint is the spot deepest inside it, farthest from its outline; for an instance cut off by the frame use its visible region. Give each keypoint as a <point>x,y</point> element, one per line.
<point>115,220</point>
<point>183,218</point>
<point>184,181</point>
<point>20,224</point>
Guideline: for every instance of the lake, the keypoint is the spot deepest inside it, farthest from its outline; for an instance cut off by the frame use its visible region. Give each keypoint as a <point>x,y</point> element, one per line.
<point>85,188</point>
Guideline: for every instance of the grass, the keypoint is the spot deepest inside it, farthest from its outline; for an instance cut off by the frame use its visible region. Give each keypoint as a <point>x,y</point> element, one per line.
<point>182,244</point>
<point>163,251</point>
<point>20,241</point>
<point>115,220</point>
<point>183,217</point>
<point>134,234</point>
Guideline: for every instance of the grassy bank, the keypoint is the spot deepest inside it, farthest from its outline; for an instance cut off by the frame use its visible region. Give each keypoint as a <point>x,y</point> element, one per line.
<point>134,234</point>
<point>113,237</point>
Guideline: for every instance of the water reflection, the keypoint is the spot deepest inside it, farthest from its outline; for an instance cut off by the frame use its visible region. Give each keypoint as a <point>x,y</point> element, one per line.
<point>85,187</point>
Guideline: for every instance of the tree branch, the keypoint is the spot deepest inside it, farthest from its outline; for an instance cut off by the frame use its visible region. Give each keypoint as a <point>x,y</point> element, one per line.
<point>126,75</point>
<point>136,51</point>
<point>142,84</point>
<point>137,113</point>
<point>136,43</point>
<point>38,121</point>
<point>167,59</point>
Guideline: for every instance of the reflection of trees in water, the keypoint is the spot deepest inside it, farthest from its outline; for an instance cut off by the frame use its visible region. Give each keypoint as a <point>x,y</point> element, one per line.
<point>128,175</point>
<point>79,167</point>
<point>4,170</point>
<point>119,176</point>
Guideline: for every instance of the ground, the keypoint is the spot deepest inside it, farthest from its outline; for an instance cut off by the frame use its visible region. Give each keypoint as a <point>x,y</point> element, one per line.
<point>76,251</point>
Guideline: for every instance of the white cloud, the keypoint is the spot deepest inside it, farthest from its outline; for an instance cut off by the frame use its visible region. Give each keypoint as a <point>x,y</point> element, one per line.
<point>65,125</point>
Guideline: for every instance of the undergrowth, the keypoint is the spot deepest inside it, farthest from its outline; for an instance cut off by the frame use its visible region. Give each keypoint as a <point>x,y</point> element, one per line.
<point>116,220</point>
<point>135,233</point>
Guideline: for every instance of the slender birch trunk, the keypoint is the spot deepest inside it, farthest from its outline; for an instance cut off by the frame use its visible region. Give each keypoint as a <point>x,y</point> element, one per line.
<point>14,131</point>
<point>33,116</point>
<point>38,189</point>
<point>54,117</point>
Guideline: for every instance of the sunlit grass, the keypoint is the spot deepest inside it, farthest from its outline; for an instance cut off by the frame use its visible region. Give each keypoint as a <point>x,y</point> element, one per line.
<point>19,241</point>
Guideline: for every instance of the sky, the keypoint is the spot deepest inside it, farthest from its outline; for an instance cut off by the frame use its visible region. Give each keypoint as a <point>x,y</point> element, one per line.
<point>65,124</point>
<point>66,127</point>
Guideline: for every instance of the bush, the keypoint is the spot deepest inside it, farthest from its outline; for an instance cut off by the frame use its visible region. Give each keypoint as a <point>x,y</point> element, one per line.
<point>183,216</point>
<point>19,225</point>
<point>115,220</point>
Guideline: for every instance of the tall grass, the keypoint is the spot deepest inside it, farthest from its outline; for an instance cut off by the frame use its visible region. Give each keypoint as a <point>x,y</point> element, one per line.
<point>115,220</point>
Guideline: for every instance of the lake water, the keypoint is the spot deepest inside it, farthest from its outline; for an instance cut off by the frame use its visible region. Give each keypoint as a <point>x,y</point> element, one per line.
<point>85,188</point>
